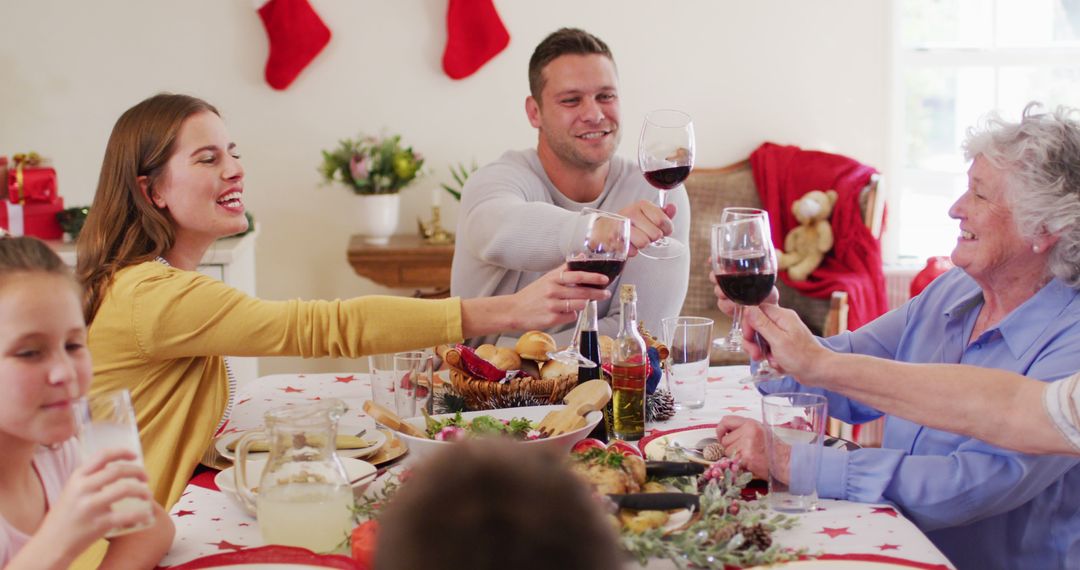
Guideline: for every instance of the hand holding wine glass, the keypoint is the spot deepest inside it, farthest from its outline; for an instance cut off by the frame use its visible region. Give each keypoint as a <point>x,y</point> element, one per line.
<point>744,263</point>
<point>733,342</point>
<point>599,243</point>
<point>666,156</point>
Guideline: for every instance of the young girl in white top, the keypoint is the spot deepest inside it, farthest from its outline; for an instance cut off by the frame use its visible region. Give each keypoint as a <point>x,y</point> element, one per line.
<point>51,507</point>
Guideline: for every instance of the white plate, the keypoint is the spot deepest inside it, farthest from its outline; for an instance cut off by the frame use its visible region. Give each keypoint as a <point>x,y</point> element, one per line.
<point>268,566</point>
<point>354,469</point>
<point>832,564</point>
<point>373,435</point>
<point>654,450</point>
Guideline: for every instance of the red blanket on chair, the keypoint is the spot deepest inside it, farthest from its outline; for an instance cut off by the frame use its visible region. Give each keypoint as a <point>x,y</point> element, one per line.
<point>782,175</point>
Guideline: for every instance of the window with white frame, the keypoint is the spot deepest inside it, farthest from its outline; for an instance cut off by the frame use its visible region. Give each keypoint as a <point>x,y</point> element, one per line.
<point>958,60</point>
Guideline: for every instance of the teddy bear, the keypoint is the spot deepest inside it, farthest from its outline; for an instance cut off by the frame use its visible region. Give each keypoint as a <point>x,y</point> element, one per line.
<point>805,246</point>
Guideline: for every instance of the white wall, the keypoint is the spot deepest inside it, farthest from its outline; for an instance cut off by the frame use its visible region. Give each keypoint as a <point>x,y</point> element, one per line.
<point>808,73</point>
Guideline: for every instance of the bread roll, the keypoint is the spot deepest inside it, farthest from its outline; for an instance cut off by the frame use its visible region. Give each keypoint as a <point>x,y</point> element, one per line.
<point>506,359</point>
<point>486,351</point>
<point>535,345</point>
<point>555,369</point>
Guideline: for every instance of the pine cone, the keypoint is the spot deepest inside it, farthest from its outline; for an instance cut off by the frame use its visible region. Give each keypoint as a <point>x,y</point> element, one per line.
<point>713,452</point>
<point>660,405</point>
<point>756,536</point>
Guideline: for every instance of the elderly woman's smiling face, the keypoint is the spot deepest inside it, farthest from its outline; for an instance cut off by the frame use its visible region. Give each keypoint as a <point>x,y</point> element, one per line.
<point>990,246</point>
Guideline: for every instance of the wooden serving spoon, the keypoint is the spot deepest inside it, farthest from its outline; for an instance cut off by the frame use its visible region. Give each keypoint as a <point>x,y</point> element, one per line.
<point>391,420</point>
<point>586,397</point>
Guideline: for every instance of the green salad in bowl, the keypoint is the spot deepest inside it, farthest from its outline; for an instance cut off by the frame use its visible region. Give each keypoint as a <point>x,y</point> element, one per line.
<point>457,427</point>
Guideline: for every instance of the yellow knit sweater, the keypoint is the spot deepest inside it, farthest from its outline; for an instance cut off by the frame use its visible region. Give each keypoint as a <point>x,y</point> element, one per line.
<point>161,332</point>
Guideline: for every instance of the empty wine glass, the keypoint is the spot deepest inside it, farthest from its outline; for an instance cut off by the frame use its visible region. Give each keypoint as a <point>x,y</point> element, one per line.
<point>744,263</point>
<point>666,156</point>
<point>733,341</point>
<point>599,243</point>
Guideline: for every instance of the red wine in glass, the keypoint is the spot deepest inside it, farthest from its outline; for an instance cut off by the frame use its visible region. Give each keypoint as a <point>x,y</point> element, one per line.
<point>667,178</point>
<point>611,268</point>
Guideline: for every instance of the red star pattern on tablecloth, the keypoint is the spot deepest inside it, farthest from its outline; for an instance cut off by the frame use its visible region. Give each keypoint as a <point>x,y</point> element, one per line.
<point>884,511</point>
<point>216,519</point>
<point>183,513</point>
<point>734,409</point>
<point>747,387</point>
<point>226,545</point>
<point>345,379</point>
<point>233,429</point>
<point>888,546</point>
<point>834,532</point>
<point>316,399</point>
<point>716,379</point>
<point>244,401</point>
<point>290,389</point>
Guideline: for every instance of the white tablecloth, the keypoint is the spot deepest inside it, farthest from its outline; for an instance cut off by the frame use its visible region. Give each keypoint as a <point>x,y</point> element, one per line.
<point>209,522</point>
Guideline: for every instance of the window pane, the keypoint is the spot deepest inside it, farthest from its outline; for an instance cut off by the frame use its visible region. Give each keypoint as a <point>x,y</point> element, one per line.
<point>925,227</point>
<point>941,103</point>
<point>1049,85</point>
<point>946,23</point>
<point>1038,23</point>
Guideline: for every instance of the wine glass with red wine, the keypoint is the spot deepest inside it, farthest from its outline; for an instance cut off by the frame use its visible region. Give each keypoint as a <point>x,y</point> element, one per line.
<point>744,263</point>
<point>666,156</point>
<point>734,339</point>
<point>599,243</point>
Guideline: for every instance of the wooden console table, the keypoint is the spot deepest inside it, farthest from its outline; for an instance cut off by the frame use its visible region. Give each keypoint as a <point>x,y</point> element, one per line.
<point>406,262</point>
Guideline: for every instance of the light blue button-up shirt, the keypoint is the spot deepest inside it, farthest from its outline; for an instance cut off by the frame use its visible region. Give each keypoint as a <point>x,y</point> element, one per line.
<point>983,506</point>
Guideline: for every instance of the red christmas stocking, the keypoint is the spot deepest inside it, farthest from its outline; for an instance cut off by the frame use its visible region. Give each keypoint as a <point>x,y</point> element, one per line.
<point>475,34</point>
<point>297,35</point>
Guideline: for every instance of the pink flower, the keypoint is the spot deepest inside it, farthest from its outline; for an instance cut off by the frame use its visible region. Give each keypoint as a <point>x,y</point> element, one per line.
<point>358,167</point>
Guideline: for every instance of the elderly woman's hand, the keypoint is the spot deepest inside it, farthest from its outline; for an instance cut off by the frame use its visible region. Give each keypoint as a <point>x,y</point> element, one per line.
<point>793,348</point>
<point>743,439</point>
<point>727,305</point>
<point>556,297</point>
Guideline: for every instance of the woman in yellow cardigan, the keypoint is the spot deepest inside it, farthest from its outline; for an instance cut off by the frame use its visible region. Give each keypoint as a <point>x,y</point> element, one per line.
<point>171,184</point>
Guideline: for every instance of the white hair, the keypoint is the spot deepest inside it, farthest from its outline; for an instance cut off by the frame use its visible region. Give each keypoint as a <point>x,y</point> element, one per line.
<point>1040,155</point>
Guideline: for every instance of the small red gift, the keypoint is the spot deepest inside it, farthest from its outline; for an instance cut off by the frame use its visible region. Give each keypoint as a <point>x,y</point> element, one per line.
<point>37,219</point>
<point>29,180</point>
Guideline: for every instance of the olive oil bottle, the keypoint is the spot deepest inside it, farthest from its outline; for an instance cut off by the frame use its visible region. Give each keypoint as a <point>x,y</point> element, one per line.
<point>628,371</point>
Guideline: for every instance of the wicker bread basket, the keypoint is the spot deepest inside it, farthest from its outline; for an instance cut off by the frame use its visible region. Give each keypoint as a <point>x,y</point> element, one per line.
<point>481,394</point>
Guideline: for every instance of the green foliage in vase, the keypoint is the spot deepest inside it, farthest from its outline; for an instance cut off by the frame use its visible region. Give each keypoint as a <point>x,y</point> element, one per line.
<point>371,165</point>
<point>460,174</point>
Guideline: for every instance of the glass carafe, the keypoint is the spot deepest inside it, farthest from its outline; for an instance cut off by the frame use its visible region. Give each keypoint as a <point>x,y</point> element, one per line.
<point>303,498</point>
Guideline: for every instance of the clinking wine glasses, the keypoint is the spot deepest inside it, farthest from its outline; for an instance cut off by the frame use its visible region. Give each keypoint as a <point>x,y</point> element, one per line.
<point>744,263</point>
<point>599,243</point>
<point>666,156</point>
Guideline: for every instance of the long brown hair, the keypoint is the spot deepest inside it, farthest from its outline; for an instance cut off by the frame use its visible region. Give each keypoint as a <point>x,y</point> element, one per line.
<point>124,227</point>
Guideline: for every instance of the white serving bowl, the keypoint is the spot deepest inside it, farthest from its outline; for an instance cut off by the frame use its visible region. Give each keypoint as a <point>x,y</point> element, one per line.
<point>420,448</point>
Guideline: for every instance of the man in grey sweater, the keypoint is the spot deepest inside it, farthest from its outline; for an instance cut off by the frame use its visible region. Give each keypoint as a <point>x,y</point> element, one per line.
<point>517,212</point>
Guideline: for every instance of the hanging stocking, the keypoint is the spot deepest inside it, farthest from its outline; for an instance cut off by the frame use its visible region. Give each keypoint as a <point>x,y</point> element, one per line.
<point>297,35</point>
<point>475,34</point>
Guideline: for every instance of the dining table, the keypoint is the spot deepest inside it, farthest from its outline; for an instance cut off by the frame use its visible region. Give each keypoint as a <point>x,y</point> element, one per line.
<point>210,523</point>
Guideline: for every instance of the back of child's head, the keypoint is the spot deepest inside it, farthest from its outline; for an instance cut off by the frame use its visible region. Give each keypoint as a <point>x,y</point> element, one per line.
<point>493,505</point>
<point>19,255</point>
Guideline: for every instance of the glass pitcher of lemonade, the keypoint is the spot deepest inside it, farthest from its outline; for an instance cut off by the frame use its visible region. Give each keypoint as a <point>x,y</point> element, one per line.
<point>303,497</point>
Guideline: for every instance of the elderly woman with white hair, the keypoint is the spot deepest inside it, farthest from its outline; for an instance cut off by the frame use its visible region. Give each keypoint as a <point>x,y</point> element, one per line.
<point>1012,303</point>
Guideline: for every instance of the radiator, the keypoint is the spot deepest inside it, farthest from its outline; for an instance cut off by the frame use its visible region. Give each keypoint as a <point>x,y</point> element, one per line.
<point>898,283</point>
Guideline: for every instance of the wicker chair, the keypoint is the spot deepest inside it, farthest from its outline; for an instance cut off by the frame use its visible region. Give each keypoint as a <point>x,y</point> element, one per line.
<point>710,190</point>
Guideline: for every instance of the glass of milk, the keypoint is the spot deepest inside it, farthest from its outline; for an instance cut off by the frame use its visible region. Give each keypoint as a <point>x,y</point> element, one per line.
<point>107,421</point>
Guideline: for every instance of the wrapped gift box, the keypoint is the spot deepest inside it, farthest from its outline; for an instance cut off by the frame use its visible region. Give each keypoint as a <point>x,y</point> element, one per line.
<point>38,218</point>
<point>31,184</point>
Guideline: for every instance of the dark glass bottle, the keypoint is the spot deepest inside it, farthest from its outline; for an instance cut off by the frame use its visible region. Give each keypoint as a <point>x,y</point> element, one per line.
<point>589,346</point>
